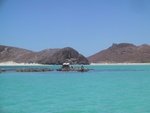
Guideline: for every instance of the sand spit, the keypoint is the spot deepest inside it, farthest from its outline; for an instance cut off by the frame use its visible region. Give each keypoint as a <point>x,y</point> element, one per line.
<point>11,63</point>
<point>120,64</point>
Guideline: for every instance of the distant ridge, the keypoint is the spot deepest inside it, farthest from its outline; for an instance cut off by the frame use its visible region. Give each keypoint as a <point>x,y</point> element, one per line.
<point>47,56</point>
<point>122,53</point>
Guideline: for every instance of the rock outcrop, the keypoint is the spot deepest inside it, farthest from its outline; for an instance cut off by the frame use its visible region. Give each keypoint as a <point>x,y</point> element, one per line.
<point>67,67</point>
<point>47,56</point>
<point>2,70</point>
<point>32,69</point>
<point>65,55</point>
<point>122,53</point>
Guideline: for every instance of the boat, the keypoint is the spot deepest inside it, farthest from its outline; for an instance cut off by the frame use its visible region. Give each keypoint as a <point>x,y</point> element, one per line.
<point>67,67</point>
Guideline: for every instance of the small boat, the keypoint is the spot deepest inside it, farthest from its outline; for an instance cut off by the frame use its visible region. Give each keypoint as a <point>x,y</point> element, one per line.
<point>67,67</point>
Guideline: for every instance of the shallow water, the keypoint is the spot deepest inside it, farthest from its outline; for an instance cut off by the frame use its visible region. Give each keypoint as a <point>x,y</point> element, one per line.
<point>106,89</point>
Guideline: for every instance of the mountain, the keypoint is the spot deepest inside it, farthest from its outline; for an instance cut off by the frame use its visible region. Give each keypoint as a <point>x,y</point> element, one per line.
<point>122,53</point>
<point>65,55</point>
<point>12,53</point>
<point>47,56</point>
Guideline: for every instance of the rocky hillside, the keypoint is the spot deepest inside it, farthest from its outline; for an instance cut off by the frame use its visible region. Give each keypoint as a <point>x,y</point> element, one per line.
<point>65,55</point>
<point>48,56</point>
<point>122,53</point>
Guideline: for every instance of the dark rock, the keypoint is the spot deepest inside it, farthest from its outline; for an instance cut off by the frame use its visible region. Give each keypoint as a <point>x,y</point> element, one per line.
<point>74,69</point>
<point>65,55</point>
<point>32,69</point>
<point>70,68</point>
<point>2,70</point>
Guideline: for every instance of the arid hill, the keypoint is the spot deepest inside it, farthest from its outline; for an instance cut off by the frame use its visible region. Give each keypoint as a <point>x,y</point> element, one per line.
<point>122,53</point>
<point>47,56</point>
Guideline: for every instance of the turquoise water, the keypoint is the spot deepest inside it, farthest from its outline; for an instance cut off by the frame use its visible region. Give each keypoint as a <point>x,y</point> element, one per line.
<point>106,89</point>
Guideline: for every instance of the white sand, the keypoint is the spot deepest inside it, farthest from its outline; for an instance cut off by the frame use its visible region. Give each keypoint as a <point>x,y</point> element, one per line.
<point>11,63</point>
<point>120,64</point>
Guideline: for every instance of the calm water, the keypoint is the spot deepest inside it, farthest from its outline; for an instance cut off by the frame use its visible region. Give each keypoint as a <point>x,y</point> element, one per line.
<point>106,89</point>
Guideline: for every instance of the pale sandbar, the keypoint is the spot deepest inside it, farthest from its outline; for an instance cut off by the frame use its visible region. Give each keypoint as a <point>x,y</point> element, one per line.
<point>11,63</point>
<point>120,64</point>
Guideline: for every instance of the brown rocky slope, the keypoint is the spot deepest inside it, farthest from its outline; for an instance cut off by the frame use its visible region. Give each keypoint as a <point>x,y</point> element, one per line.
<point>47,56</point>
<point>122,53</point>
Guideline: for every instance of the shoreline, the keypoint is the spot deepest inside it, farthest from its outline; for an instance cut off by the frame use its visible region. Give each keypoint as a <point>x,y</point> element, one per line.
<point>119,64</point>
<point>11,63</point>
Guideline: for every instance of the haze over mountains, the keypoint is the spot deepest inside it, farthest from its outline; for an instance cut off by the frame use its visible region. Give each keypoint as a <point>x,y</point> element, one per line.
<point>117,53</point>
<point>122,53</point>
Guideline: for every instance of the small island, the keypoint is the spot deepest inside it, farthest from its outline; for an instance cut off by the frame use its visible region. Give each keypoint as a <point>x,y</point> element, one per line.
<point>32,69</point>
<point>67,67</point>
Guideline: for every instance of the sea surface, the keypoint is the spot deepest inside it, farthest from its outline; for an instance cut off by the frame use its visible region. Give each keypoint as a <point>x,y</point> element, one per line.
<point>105,89</point>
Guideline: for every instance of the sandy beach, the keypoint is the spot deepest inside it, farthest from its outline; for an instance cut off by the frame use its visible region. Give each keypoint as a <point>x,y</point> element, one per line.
<point>120,64</point>
<point>11,63</point>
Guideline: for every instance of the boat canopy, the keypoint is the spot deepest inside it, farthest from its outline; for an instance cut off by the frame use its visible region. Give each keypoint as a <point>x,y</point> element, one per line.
<point>66,64</point>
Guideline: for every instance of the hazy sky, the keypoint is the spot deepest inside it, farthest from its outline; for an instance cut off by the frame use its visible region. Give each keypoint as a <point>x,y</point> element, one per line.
<point>85,25</point>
